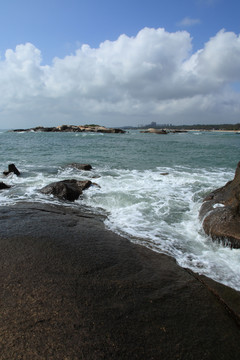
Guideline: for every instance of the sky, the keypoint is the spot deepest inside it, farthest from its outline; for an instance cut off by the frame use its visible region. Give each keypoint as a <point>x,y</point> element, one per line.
<point>119,63</point>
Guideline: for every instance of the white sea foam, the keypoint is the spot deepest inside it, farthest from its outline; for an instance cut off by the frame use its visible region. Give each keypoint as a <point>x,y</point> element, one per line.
<point>161,212</point>
<point>218,205</point>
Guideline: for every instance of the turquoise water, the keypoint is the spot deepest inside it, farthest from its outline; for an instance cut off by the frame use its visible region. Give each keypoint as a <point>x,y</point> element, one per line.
<point>155,210</point>
<point>133,150</point>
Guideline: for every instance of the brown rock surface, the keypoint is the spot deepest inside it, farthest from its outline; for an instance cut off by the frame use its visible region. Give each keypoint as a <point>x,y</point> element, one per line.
<point>69,189</point>
<point>221,212</point>
<point>70,289</point>
<point>81,166</point>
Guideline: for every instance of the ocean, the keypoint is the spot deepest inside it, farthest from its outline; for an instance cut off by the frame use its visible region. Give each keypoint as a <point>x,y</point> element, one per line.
<point>151,186</point>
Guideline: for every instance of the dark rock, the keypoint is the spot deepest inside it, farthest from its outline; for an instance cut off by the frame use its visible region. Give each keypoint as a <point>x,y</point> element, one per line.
<point>178,131</point>
<point>11,169</point>
<point>220,212</point>
<point>164,174</point>
<point>17,130</point>
<point>4,186</point>
<point>81,166</point>
<point>66,189</point>
<point>71,289</point>
<point>45,129</point>
<point>155,131</point>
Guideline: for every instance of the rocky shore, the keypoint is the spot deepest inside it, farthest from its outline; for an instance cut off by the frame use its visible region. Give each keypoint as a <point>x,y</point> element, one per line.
<point>70,289</point>
<point>220,212</point>
<point>74,128</point>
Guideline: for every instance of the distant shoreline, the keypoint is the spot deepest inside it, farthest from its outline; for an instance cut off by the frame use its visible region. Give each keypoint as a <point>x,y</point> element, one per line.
<point>196,127</point>
<point>173,130</point>
<point>200,130</point>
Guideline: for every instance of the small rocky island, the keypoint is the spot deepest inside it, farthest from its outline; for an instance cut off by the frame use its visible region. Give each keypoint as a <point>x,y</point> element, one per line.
<point>74,128</point>
<point>162,131</point>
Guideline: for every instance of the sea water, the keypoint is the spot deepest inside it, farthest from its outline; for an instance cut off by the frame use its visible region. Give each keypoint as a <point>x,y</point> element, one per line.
<point>151,186</point>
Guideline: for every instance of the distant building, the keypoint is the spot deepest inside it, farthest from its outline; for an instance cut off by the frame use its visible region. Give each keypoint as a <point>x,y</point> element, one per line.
<point>153,124</point>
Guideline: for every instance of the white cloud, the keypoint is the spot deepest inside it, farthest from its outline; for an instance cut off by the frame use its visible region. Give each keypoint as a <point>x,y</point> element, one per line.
<point>152,76</point>
<point>187,22</point>
<point>208,2</point>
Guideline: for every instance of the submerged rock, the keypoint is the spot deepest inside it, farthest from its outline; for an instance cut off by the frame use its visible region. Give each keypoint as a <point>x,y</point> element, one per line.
<point>4,186</point>
<point>155,131</point>
<point>81,166</point>
<point>66,189</point>
<point>220,212</point>
<point>12,169</point>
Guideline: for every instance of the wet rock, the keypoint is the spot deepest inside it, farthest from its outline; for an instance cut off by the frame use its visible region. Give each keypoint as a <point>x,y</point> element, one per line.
<point>66,189</point>
<point>4,186</point>
<point>220,212</point>
<point>81,166</point>
<point>12,169</point>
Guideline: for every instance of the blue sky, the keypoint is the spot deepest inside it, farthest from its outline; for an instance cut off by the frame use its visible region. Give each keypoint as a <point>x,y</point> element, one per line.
<point>44,63</point>
<point>58,27</point>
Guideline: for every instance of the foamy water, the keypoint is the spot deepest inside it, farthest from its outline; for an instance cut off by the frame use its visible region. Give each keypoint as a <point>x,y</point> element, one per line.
<point>161,212</point>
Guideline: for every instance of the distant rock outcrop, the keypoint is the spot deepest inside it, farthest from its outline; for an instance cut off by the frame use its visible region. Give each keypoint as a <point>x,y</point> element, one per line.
<point>74,128</point>
<point>220,212</point>
<point>162,131</point>
<point>78,166</point>
<point>12,169</point>
<point>155,131</point>
<point>66,189</point>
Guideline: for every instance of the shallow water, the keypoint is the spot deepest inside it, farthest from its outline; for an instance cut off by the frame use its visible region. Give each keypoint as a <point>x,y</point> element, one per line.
<point>156,210</point>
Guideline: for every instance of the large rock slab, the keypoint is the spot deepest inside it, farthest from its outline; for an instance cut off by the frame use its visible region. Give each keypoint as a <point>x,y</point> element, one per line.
<point>70,289</point>
<point>220,212</point>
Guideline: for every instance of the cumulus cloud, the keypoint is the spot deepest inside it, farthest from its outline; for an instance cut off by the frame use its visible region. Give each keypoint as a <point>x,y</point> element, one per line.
<point>152,76</point>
